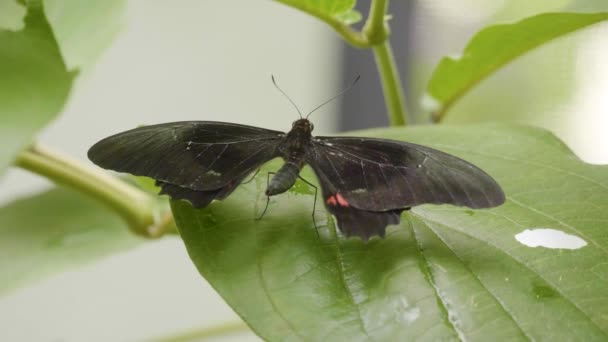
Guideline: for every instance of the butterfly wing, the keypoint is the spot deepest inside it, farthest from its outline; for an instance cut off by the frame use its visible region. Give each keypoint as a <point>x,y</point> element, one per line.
<point>196,161</point>
<point>367,183</point>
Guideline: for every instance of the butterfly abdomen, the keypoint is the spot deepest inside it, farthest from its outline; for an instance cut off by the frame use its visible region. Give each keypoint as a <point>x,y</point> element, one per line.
<point>284,179</point>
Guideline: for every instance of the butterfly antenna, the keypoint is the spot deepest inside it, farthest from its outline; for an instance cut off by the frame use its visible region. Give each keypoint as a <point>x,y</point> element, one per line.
<point>287,96</point>
<point>347,89</point>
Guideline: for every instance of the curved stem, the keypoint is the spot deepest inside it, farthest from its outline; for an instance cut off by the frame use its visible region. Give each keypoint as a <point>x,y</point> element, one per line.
<point>354,38</point>
<point>133,205</point>
<point>391,84</point>
<point>166,225</point>
<point>201,334</point>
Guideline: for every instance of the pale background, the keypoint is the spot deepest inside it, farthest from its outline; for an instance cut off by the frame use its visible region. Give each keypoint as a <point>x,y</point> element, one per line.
<point>224,75</point>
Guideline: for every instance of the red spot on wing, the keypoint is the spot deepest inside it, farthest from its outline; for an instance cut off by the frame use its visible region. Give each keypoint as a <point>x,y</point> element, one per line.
<point>337,199</point>
<point>342,201</point>
<point>331,200</point>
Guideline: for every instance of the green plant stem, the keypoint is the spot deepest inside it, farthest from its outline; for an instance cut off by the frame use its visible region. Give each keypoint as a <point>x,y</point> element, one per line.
<point>133,205</point>
<point>201,334</point>
<point>375,34</point>
<point>354,38</point>
<point>391,84</point>
<point>376,28</point>
<point>377,31</point>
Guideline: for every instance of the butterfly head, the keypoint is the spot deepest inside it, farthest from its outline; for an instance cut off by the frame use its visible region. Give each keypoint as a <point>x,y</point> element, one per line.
<point>303,126</point>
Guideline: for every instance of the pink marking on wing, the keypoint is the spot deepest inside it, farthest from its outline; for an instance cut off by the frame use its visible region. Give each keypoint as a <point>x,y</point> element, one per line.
<point>331,200</point>
<point>342,201</point>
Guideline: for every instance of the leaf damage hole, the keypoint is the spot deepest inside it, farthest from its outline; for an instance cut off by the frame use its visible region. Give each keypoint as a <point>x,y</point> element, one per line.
<point>549,238</point>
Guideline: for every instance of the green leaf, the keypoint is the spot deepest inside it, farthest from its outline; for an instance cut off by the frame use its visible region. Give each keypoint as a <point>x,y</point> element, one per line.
<point>331,11</point>
<point>492,48</point>
<point>34,83</point>
<point>85,28</point>
<point>56,231</point>
<point>445,273</point>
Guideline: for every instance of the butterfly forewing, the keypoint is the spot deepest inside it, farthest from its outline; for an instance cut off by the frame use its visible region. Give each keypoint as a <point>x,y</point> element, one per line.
<point>380,175</point>
<point>193,155</point>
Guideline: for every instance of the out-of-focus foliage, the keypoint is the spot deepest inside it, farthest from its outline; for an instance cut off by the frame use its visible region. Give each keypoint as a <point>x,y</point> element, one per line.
<point>84,29</point>
<point>34,84</point>
<point>494,47</point>
<point>56,231</point>
<point>332,11</point>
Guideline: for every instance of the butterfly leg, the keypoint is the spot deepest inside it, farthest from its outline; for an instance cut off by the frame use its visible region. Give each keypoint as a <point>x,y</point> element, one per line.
<point>267,197</point>
<point>314,204</point>
<point>252,177</point>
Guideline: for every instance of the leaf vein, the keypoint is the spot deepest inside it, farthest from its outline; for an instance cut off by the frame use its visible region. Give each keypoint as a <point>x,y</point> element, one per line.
<point>557,289</point>
<point>425,268</point>
<point>502,306</point>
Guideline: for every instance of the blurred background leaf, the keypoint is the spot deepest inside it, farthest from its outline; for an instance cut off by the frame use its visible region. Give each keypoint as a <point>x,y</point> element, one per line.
<point>557,86</point>
<point>492,48</point>
<point>84,29</point>
<point>337,11</point>
<point>440,274</point>
<point>53,232</point>
<point>34,84</point>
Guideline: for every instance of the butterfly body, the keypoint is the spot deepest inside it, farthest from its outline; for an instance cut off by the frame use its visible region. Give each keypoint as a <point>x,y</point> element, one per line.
<point>293,150</point>
<point>366,183</point>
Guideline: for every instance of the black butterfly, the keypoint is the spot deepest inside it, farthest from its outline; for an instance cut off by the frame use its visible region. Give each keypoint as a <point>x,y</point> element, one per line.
<point>366,183</point>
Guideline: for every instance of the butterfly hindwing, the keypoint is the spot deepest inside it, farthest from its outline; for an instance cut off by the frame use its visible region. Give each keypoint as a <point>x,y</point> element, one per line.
<point>198,198</point>
<point>367,182</point>
<point>196,160</point>
<point>364,223</point>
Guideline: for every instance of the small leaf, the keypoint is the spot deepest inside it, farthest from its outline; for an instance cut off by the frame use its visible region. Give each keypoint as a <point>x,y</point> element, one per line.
<point>55,231</point>
<point>492,48</point>
<point>445,273</point>
<point>34,83</point>
<point>85,28</point>
<point>336,11</point>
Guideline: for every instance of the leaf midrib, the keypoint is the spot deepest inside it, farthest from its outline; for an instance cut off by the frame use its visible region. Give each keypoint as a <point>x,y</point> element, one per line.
<point>425,269</point>
<point>477,279</point>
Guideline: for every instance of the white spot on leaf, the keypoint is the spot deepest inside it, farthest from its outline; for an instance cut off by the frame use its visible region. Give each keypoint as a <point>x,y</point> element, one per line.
<point>550,238</point>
